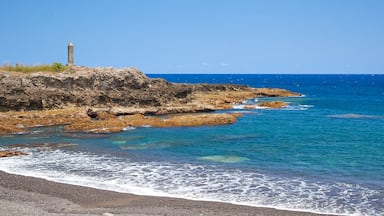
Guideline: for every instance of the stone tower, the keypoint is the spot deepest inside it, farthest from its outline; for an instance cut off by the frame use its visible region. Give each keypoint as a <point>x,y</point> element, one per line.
<point>70,54</point>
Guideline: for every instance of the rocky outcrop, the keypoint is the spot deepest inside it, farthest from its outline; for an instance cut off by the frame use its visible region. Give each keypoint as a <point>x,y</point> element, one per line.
<point>138,120</point>
<point>86,87</point>
<point>11,153</point>
<point>273,104</point>
<point>119,91</point>
<point>109,100</point>
<point>76,119</point>
<point>19,122</point>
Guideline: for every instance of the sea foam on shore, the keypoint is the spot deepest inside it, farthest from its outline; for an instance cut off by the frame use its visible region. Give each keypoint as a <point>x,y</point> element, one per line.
<point>189,181</point>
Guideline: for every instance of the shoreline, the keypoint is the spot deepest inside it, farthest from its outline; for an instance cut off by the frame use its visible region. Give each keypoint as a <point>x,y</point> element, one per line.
<point>42,197</point>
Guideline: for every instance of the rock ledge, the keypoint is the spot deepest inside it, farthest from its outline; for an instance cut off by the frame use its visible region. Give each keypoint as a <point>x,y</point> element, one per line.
<point>110,99</point>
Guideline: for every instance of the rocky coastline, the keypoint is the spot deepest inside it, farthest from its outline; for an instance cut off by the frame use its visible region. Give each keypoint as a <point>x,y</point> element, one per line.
<point>104,100</point>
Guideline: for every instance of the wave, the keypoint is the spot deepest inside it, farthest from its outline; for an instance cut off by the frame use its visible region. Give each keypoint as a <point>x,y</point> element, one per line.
<point>224,158</point>
<point>298,107</point>
<point>255,106</point>
<point>128,128</point>
<point>355,116</point>
<point>197,182</point>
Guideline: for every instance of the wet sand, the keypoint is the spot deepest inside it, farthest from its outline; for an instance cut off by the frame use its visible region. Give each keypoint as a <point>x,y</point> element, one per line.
<point>20,195</point>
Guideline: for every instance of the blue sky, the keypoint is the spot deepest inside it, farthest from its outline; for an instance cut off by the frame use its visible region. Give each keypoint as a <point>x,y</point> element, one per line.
<point>198,36</point>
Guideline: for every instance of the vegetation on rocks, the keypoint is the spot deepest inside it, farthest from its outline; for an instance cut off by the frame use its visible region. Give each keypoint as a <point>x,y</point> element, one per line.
<point>54,67</point>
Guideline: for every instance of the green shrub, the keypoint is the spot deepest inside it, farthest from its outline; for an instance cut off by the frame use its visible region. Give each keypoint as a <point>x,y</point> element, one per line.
<point>55,67</point>
<point>58,67</point>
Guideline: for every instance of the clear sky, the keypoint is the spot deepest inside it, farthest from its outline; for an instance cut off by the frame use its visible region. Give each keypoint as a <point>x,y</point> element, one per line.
<point>198,36</point>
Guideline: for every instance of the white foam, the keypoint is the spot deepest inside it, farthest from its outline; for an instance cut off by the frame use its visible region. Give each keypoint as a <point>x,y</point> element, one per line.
<point>197,182</point>
<point>246,103</point>
<point>238,106</point>
<point>250,101</point>
<point>261,107</point>
<point>298,107</point>
<point>119,142</point>
<point>224,158</point>
<point>128,128</point>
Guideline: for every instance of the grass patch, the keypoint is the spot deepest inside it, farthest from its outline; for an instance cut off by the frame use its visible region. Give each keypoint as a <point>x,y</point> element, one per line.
<point>54,67</point>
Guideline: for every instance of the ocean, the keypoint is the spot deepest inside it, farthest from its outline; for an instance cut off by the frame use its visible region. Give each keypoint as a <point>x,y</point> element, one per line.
<point>323,153</point>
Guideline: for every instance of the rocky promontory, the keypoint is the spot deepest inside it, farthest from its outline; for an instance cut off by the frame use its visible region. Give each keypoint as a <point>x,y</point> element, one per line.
<point>90,93</point>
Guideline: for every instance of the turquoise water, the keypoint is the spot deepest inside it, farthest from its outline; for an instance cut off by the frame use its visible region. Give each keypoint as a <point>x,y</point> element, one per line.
<point>323,153</point>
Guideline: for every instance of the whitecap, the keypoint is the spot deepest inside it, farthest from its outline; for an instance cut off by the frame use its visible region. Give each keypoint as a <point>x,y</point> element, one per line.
<point>141,146</point>
<point>261,107</point>
<point>299,107</point>
<point>224,158</point>
<point>119,142</point>
<point>238,106</point>
<point>244,112</point>
<point>134,147</point>
<point>354,116</point>
<point>250,101</point>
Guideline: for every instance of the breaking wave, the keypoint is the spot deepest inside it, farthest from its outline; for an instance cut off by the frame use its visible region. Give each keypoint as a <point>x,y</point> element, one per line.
<point>197,182</point>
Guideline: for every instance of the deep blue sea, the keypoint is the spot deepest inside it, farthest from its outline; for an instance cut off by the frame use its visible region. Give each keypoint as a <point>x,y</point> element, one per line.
<point>323,153</point>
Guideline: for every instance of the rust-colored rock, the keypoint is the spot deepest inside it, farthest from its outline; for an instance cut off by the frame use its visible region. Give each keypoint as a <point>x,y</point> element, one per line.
<point>273,104</point>
<point>7,128</point>
<point>10,153</point>
<point>138,120</point>
<point>18,122</point>
<point>226,99</point>
<point>105,116</point>
<point>250,106</point>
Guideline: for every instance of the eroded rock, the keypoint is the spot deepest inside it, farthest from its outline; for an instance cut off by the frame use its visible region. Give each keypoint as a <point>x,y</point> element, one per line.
<point>110,99</point>
<point>11,153</point>
<point>273,104</point>
<point>138,120</point>
<point>111,87</point>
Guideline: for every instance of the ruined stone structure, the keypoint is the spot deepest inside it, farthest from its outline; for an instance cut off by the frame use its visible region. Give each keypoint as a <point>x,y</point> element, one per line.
<point>70,54</point>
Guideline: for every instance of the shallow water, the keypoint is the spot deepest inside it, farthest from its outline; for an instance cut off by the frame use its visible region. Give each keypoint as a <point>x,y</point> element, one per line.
<point>323,153</point>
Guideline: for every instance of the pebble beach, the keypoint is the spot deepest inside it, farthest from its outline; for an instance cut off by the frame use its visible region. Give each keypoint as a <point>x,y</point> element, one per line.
<point>21,195</point>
